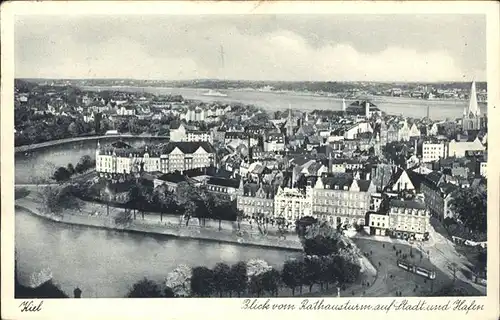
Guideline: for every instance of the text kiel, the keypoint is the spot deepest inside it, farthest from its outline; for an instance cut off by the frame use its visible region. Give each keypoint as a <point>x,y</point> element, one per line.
<point>30,306</point>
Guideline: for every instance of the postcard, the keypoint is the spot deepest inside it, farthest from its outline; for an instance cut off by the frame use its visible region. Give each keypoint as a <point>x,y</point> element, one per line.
<point>253,159</point>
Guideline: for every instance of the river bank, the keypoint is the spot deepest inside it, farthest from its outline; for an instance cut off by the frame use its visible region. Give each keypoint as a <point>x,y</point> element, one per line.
<point>166,229</point>
<point>51,143</point>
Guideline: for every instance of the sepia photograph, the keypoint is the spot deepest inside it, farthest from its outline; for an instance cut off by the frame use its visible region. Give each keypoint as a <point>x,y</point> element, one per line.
<point>270,155</point>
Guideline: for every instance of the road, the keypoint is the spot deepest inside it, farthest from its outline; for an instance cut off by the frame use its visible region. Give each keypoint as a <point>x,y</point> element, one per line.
<point>440,251</point>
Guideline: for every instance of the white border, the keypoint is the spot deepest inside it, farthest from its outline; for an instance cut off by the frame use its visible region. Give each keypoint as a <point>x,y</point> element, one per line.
<point>217,308</point>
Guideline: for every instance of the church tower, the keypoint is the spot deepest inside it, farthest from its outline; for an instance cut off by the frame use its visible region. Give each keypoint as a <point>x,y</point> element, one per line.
<point>471,119</point>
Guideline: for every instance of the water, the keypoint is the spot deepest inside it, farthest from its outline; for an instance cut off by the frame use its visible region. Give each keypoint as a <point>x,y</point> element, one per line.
<point>106,263</point>
<point>272,101</point>
<point>42,163</point>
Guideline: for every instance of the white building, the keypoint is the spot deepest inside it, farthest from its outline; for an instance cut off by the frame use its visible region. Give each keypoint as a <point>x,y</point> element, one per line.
<point>292,204</point>
<point>182,134</point>
<point>432,151</point>
<point>125,111</point>
<point>353,131</point>
<point>482,168</point>
<point>174,156</point>
<point>408,219</point>
<point>274,142</point>
<point>458,148</point>
<point>414,131</point>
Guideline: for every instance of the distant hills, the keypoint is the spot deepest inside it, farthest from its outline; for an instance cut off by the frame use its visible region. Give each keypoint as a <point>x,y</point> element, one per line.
<point>306,86</point>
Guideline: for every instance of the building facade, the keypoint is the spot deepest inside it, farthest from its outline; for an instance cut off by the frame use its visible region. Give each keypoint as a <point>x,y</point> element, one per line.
<point>342,201</point>
<point>175,156</point>
<point>408,219</point>
<point>259,202</point>
<point>432,151</point>
<point>292,204</point>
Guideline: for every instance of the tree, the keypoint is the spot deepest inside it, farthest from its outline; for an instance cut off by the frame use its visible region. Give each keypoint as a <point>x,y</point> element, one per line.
<point>168,293</point>
<point>321,246</point>
<point>58,199</point>
<point>73,129</point>
<point>136,199</point>
<point>188,198</point>
<point>292,274</point>
<point>238,279</point>
<point>470,205</point>
<point>62,174</point>
<point>312,272</point>
<point>271,281</point>
<point>179,280</point>
<point>202,282</point>
<point>221,276</point>
<point>70,168</point>
<point>144,289</point>
<point>256,285</point>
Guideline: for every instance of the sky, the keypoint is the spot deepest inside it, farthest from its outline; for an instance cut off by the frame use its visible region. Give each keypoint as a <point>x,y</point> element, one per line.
<point>256,47</point>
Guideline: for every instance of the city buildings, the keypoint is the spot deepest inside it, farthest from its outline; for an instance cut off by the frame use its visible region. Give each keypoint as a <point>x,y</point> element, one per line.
<point>292,204</point>
<point>175,156</point>
<point>339,199</point>
<point>256,199</point>
<point>433,150</point>
<point>408,219</point>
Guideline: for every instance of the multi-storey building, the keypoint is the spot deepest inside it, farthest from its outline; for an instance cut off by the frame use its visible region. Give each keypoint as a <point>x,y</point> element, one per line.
<point>341,200</point>
<point>227,188</point>
<point>437,197</point>
<point>378,223</point>
<point>256,199</point>
<point>408,219</point>
<point>175,156</point>
<point>274,142</point>
<point>432,151</point>
<point>183,134</point>
<point>292,204</point>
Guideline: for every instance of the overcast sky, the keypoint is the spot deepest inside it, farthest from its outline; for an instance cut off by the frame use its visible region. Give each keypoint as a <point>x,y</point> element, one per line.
<point>265,47</point>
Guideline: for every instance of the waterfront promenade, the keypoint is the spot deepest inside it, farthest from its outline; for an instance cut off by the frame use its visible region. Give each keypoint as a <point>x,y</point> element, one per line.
<point>94,215</point>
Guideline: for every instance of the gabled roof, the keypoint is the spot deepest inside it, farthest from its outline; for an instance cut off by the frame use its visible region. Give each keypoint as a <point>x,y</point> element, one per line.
<point>188,147</point>
<point>364,185</point>
<point>434,177</point>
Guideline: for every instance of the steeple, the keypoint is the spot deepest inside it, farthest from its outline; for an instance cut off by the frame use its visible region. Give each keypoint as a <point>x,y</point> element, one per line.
<point>473,107</point>
<point>344,108</point>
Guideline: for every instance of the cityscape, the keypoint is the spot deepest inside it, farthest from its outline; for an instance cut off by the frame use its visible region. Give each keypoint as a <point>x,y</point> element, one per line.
<point>215,187</point>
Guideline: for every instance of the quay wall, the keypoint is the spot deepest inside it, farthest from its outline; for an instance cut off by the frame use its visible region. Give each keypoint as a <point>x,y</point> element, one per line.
<point>167,229</point>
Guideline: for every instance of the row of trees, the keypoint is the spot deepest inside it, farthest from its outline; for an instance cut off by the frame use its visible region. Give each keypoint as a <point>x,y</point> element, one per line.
<point>224,280</point>
<point>64,173</point>
<point>187,200</point>
<point>327,260</point>
<point>33,128</point>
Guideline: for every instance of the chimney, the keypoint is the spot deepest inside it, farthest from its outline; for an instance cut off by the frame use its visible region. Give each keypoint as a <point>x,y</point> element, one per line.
<point>367,110</point>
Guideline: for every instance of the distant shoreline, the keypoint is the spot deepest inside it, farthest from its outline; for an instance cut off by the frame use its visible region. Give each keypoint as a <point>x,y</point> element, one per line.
<point>333,96</point>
